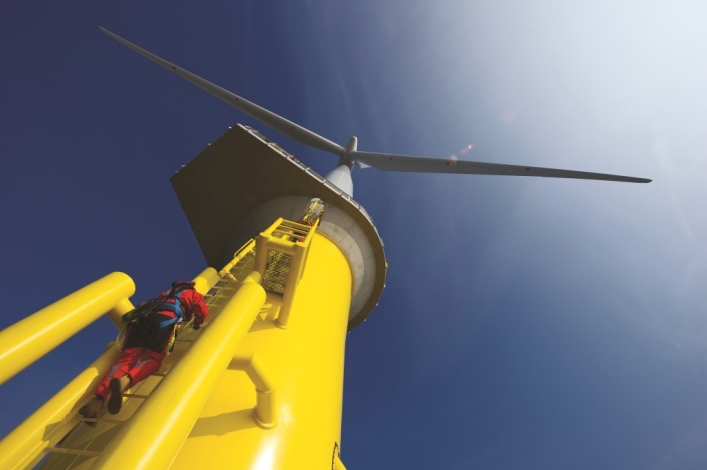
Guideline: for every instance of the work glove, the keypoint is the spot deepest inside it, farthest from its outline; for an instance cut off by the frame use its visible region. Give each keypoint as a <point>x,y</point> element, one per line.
<point>196,326</point>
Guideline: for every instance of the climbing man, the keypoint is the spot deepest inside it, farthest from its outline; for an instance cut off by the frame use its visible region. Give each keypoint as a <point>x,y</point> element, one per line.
<point>150,328</point>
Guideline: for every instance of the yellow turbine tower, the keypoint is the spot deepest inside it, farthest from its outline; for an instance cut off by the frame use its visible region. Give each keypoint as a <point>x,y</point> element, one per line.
<point>294,263</point>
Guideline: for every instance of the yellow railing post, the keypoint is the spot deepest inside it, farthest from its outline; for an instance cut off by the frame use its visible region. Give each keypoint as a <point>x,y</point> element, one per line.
<point>296,268</point>
<point>27,340</point>
<point>153,436</point>
<point>283,237</point>
<point>265,411</point>
<point>116,313</point>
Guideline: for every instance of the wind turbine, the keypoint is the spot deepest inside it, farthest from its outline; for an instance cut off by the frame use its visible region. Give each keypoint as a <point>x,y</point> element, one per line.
<point>281,306</point>
<point>350,155</point>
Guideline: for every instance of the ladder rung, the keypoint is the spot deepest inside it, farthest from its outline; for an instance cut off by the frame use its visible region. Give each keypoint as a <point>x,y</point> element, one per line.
<point>112,421</point>
<point>103,420</point>
<point>135,395</point>
<point>61,450</point>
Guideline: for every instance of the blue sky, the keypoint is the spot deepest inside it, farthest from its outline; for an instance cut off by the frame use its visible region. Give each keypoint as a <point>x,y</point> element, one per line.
<point>527,322</point>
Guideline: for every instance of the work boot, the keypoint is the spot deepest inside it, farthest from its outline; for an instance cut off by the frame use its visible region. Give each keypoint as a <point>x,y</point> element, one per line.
<point>117,387</point>
<point>92,408</point>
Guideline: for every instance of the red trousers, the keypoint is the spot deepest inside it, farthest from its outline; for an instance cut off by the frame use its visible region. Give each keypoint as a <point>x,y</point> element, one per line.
<point>142,355</point>
<point>140,363</point>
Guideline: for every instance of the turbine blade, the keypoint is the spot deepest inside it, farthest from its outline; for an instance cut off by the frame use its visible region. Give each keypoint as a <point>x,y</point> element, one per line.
<point>392,162</point>
<point>270,119</point>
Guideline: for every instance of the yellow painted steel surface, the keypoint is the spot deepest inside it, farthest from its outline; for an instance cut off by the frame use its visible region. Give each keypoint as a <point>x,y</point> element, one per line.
<point>26,341</point>
<point>338,464</point>
<point>305,363</point>
<point>22,447</point>
<point>205,280</point>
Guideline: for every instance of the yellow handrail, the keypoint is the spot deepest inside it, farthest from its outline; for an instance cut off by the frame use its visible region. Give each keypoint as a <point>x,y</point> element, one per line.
<point>237,257</point>
<point>31,338</point>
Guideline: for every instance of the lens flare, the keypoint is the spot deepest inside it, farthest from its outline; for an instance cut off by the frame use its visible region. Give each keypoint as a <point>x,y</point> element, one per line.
<point>466,149</point>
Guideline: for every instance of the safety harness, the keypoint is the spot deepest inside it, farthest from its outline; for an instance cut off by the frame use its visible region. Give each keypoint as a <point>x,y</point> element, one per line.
<point>141,316</point>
